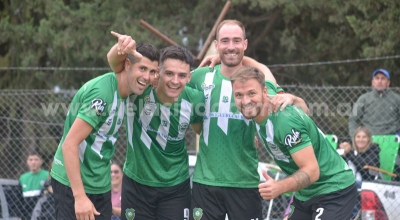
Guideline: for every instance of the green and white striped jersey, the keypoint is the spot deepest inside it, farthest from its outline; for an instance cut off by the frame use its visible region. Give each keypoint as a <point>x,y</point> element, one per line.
<point>98,103</point>
<point>227,155</point>
<point>156,155</point>
<point>288,131</point>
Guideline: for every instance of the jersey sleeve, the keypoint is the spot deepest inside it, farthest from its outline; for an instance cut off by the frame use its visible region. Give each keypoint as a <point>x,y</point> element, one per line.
<point>198,77</point>
<point>95,103</point>
<point>271,87</point>
<point>292,131</point>
<point>197,98</point>
<point>279,89</point>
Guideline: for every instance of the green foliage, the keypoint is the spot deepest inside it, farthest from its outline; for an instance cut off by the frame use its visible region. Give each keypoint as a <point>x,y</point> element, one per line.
<point>72,33</point>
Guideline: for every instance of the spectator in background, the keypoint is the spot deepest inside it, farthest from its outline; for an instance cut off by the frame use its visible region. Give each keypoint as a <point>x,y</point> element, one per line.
<point>363,152</point>
<point>378,110</point>
<point>32,183</point>
<point>116,187</point>
<point>45,209</point>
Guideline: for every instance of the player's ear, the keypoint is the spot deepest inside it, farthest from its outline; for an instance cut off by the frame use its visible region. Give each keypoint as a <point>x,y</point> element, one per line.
<point>127,63</point>
<point>265,92</point>
<point>189,76</point>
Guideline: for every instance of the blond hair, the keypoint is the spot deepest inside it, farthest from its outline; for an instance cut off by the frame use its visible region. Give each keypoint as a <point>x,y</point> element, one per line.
<point>245,73</point>
<point>369,135</point>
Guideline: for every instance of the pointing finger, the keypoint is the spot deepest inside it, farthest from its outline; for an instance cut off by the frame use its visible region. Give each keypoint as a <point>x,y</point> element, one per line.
<point>137,54</point>
<point>115,34</point>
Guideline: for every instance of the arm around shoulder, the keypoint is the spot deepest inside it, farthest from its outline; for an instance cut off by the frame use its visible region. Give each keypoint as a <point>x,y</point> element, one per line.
<point>247,61</point>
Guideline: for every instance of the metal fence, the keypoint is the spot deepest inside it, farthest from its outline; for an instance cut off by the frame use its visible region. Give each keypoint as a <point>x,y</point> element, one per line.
<point>34,120</point>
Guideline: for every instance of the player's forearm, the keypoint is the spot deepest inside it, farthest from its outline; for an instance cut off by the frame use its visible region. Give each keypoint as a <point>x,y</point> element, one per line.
<point>247,61</point>
<point>115,60</point>
<point>197,128</point>
<point>72,167</point>
<point>299,180</point>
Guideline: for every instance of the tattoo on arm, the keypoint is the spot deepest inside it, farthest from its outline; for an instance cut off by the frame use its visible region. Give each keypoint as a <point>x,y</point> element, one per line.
<point>302,179</point>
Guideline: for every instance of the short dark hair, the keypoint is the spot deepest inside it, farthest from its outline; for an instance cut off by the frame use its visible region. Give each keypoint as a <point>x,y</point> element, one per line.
<point>34,153</point>
<point>147,50</point>
<point>178,53</point>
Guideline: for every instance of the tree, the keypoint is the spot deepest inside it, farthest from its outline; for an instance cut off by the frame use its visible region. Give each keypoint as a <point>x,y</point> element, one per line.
<point>72,34</point>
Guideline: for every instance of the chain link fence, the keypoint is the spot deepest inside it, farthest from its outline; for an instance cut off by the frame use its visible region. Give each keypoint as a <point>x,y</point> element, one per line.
<point>34,120</point>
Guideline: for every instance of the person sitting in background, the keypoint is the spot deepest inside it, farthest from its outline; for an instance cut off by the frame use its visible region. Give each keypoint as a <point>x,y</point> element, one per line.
<point>116,187</point>
<point>32,183</point>
<point>363,152</point>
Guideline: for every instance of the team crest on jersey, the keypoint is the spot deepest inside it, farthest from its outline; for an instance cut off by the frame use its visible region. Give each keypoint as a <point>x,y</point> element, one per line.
<point>225,99</point>
<point>98,105</point>
<point>293,138</point>
<point>149,106</point>
<point>183,127</point>
<point>130,214</point>
<point>164,123</point>
<point>197,213</point>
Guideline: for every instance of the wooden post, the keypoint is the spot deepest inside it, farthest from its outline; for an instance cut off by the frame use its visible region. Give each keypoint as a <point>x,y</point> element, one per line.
<point>203,51</point>
<point>158,33</point>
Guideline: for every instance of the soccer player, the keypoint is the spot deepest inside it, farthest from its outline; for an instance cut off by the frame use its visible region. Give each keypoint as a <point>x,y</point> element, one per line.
<point>324,184</point>
<point>80,173</point>
<point>156,181</point>
<point>225,177</point>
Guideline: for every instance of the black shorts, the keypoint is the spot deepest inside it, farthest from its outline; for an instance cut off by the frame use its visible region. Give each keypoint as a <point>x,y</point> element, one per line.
<point>151,203</point>
<point>65,202</point>
<point>214,202</point>
<point>332,206</point>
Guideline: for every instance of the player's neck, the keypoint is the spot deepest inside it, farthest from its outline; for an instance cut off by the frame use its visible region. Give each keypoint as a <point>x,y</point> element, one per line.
<point>163,98</point>
<point>263,114</point>
<point>227,71</point>
<point>123,86</point>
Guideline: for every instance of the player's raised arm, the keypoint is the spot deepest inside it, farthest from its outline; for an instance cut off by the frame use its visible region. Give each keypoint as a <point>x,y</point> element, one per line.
<point>118,53</point>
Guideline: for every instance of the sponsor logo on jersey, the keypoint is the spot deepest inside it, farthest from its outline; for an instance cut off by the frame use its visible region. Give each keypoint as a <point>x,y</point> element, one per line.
<point>206,87</point>
<point>109,121</point>
<point>98,105</point>
<point>293,139</point>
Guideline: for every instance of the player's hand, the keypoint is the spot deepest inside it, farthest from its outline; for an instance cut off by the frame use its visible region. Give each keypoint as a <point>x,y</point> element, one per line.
<point>345,146</point>
<point>270,189</point>
<point>84,208</point>
<point>210,60</point>
<point>126,45</point>
<point>280,101</point>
